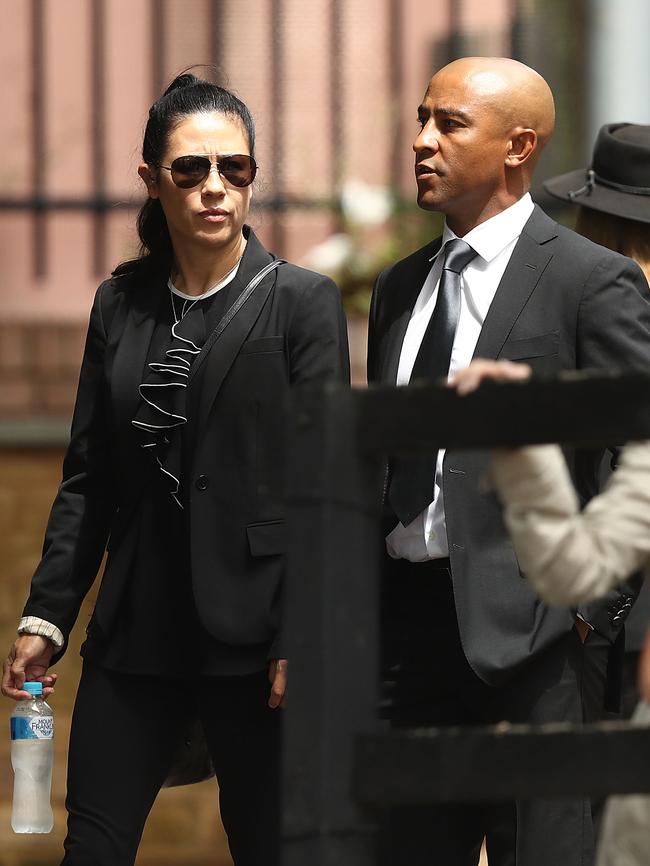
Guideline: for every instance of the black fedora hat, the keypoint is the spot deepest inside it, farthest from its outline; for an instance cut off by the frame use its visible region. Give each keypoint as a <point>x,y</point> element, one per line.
<point>618,180</point>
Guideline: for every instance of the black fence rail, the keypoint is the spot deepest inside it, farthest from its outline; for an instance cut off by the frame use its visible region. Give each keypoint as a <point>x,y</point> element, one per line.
<point>340,763</point>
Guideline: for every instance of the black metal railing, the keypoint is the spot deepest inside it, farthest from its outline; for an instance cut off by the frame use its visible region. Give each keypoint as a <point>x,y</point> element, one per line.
<point>340,765</point>
<point>99,203</point>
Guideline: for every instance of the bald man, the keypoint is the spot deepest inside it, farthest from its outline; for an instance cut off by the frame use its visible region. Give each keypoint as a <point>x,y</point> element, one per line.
<point>466,640</point>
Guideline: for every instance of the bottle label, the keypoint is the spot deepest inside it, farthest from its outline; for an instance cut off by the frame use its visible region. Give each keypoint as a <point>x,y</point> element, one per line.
<point>32,727</point>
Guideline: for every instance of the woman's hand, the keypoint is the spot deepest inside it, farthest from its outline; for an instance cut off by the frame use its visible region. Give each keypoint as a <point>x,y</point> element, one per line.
<point>481,369</point>
<point>278,680</point>
<point>28,659</point>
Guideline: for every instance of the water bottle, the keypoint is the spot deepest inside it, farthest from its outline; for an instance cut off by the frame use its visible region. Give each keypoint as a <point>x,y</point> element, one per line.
<point>32,731</point>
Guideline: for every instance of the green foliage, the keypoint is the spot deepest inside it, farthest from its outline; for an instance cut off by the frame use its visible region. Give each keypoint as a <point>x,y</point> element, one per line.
<point>371,249</point>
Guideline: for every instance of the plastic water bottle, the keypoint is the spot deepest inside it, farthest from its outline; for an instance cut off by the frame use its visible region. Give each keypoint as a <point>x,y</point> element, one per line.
<point>32,731</point>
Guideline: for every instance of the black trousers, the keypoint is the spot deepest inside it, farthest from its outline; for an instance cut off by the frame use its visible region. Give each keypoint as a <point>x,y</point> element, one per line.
<point>125,730</point>
<point>429,682</point>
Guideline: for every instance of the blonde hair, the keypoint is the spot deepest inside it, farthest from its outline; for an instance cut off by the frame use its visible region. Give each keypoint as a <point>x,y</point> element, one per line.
<point>629,237</point>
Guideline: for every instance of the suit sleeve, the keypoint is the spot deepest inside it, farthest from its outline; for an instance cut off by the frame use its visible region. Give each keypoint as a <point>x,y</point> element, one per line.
<point>613,333</point>
<point>318,339</point>
<point>77,529</point>
<point>614,317</point>
<point>318,353</point>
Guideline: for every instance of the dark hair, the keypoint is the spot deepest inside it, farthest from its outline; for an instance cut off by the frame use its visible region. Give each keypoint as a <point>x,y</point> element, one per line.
<point>626,236</point>
<point>186,95</point>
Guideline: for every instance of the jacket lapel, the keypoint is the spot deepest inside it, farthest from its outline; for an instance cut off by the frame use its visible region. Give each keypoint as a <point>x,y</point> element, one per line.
<point>131,350</point>
<point>525,268</point>
<point>404,297</point>
<point>224,351</point>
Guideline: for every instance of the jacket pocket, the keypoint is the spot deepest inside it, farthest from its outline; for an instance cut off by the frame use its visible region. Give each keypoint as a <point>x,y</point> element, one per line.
<point>264,344</point>
<point>531,347</point>
<point>268,538</point>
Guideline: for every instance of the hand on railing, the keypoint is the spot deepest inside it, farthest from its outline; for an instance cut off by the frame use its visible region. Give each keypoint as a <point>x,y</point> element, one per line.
<point>481,369</point>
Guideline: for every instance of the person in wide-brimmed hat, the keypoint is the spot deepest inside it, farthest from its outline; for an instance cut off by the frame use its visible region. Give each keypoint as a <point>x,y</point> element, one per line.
<point>613,193</point>
<point>613,196</point>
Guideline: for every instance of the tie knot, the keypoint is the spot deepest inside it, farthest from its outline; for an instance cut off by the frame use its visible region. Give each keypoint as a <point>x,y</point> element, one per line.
<point>458,254</point>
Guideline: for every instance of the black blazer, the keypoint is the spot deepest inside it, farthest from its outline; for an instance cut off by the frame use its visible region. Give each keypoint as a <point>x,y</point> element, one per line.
<point>563,303</point>
<point>292,330</point>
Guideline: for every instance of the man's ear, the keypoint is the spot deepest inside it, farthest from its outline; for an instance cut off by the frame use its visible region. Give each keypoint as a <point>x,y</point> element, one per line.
<point>149,180</point>
<point>521,146</point>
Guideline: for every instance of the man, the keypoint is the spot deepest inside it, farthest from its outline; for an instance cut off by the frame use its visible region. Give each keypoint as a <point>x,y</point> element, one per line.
<point>466,640</point>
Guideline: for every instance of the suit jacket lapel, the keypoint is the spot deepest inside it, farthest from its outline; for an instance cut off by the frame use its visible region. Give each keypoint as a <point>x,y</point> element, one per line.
<point>404,296</point>
<point>224,351</point>
<point>131,350</point>
<point>525,268</point>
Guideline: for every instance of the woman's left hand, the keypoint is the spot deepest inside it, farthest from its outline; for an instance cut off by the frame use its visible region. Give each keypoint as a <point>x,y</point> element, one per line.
<point>278,680</point>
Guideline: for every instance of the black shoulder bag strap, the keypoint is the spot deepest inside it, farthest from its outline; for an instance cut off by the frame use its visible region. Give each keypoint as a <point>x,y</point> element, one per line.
<point>230,314</point>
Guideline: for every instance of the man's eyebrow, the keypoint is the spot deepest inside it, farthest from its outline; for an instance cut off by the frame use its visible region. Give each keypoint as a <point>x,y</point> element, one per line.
<point>446,111</point>
<point>453,112</point>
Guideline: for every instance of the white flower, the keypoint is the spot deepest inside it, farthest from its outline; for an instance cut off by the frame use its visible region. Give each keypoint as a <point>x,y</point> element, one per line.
<point>364,204</point>
<point>330,255</point>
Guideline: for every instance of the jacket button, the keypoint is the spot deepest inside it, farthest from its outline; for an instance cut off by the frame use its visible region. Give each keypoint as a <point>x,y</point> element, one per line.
<point>617,620</point>
<point>201,482</point>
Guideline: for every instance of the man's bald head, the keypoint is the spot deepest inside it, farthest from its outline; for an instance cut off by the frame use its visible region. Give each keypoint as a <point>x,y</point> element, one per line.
<point>518,94</point>
<point>484,122</point>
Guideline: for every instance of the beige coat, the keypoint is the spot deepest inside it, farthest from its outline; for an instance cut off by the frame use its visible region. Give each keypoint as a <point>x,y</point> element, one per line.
<point>571,555</point>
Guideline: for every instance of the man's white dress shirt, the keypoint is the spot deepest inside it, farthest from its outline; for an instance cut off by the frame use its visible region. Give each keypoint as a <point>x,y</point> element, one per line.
<point>494,240</point>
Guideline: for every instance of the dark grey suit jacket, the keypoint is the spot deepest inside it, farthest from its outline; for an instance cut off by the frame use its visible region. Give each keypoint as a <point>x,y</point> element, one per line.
<point>291,331</point>
<point>563,303</point>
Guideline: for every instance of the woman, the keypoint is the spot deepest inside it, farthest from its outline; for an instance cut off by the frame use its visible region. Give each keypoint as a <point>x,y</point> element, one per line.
<point>176,459</point>
<point>614,210</point>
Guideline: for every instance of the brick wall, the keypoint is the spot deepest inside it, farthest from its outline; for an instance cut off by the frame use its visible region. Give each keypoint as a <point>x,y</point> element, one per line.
<point>39,368</point>
<point>183,827</point>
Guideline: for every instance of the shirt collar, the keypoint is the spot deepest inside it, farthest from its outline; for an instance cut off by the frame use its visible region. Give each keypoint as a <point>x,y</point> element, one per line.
<point>491,237</point>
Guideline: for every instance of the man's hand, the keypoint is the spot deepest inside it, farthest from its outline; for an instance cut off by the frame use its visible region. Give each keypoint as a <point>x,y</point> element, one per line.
<point>643,675</point>
<point>278,680</point>
<point>582,628</point>
<point>481,369</point>
<point>28,659</point>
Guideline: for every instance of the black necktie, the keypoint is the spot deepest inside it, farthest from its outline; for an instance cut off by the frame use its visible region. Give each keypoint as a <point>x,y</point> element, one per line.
<point>412,478</point>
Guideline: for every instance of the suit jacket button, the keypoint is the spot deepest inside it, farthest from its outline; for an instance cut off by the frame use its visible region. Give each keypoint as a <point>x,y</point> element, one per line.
<point>201,482</point>
<point>617,620</point>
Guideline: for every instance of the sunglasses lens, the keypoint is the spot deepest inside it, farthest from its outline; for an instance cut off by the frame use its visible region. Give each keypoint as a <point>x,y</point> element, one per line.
<point>238,169</point>
<point>189,171</point>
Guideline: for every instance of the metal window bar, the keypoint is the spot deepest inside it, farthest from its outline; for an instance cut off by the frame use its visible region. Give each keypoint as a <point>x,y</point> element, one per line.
<point>38,139</point>
<point>98,145</point>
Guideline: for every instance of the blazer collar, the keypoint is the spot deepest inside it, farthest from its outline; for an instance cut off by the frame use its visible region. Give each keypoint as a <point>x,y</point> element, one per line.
<point>132,344</point>
<point>144,300</point>
<point>411,275</point>
<point>527,264</point>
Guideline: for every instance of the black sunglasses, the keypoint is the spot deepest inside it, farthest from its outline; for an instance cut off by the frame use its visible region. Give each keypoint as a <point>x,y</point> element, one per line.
<point>238,169</point>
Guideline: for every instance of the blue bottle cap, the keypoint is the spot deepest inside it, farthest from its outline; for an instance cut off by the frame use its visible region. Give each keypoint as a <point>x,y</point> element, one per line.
<point>34,688</point>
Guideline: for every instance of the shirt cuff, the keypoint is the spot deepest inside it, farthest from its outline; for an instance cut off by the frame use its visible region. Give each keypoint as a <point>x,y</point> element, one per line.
<point>36,625</point>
